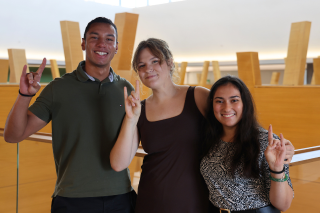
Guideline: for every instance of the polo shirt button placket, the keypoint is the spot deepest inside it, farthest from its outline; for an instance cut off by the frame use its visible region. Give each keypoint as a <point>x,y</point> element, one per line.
<point>100,89</point>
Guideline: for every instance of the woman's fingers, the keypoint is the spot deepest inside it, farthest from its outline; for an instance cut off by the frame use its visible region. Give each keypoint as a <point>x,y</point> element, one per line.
<point>270,135</point>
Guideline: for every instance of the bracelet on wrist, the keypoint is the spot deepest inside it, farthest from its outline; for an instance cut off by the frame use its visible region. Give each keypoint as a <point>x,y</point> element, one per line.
<point>274,172</point>
<point>283,179</point>
<point>26,95</point>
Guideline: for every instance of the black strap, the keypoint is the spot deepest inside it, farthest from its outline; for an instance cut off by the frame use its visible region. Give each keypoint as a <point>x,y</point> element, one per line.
<point>26,95</point>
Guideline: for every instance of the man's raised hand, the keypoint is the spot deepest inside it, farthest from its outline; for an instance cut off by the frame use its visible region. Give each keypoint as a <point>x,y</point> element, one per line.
<point>30,82</point>
<point>132,102</point>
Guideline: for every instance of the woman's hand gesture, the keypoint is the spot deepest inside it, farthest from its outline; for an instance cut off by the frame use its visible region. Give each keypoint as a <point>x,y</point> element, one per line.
<point>29,82</point>
<point>275,152</point>
<point>132,103</point>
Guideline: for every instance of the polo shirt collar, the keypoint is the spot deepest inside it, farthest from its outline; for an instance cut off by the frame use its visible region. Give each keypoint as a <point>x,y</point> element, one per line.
<point>83,76</point>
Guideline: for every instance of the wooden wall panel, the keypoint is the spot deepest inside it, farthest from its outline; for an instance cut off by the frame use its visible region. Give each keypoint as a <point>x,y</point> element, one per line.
<point>4,70</point>
<point>275,78</point>
<point>54,69</point>
<point>71,39</point>
<point>292,111</point>
<point>183,70</point>
<point>8,95</point>
<point>316,72</point>
<point>216,70</point>
<point>297,53</point>
<point>204,74</point>
<point>248,69</point>
<point>8,180</point>
<point>127,26</point>
<point>17,59</point>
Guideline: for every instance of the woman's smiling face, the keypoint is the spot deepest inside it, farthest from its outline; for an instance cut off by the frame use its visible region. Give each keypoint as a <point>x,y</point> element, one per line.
<point>228,106</point>
<point>151,72</point>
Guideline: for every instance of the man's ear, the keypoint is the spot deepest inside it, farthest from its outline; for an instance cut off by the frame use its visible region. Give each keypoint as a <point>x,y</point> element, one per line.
<point>83,44</point>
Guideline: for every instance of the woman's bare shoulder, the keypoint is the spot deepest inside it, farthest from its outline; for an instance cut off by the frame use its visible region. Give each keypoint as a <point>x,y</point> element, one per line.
<point>201,95</point>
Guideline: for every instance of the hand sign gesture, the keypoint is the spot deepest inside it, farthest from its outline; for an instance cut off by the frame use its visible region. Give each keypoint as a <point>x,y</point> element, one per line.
<point>132,103</point>
<point>29,82</point>
<point>275,152</point>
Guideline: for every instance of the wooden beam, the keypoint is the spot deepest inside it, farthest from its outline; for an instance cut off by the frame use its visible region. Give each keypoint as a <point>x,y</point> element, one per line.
<point>216,70</point>
<point>249,69</point>
<point>127,26</point>
<point>4,70</point>
<point>54,69</point>
<point>316,72</point>
<point>71,39</point>
<point>204,74</point>
<point>183,70</point>
<point>275,78</point>
<point>17,59</point>
<point>297,53</point>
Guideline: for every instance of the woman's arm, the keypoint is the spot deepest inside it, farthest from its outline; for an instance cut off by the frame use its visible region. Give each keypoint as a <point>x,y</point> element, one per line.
<point>201,95</point>
<point>281,194</point>
<point>127,143</point>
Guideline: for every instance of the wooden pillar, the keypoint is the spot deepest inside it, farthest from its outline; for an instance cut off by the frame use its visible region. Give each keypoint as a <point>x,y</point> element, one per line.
<point>183,70</point>
<point>316,72</point>
<point>71,39</point>
<point>4,70</point>
<point>216,70</point>
<point>54,69</point>
<point>204,74</point>
<point>17,59</point>
<point>297,53</point>
<point>127,26</point>
<point>275,78</point>
<point>248,69</point>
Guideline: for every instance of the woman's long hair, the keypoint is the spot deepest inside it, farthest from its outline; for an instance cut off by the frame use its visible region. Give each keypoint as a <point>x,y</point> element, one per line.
<point>246,139</point>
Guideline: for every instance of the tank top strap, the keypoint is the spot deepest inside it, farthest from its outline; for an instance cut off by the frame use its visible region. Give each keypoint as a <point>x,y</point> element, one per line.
<point>190,104</point>
<point>142,117</point>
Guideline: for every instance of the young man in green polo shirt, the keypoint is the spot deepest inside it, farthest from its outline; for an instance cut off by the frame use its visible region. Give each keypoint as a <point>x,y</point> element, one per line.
<point>86,108</point>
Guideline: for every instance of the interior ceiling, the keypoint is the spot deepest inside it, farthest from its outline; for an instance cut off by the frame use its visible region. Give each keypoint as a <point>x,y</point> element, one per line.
<point>196,30</point>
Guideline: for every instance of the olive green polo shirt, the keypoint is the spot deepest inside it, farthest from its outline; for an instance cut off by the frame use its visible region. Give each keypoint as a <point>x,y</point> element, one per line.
<point>86,119</point>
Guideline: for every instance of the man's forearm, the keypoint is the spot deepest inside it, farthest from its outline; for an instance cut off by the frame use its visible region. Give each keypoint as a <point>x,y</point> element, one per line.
<point>17,120</point>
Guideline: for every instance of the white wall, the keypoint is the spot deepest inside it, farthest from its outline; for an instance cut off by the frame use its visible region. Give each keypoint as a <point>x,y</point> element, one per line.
<point>199,30</point>
<point>34,25</point>
<point>196,30</point>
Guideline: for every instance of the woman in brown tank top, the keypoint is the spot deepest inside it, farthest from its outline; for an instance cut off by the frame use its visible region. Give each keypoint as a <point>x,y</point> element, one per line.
<point>170,131</point>
<point>169,125</point>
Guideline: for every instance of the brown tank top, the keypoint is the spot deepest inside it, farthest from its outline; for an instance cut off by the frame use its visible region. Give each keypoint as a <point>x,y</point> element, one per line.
<point>170,179</point>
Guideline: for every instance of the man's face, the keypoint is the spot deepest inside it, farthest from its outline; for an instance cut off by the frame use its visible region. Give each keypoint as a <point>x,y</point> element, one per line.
<point>100,45</point>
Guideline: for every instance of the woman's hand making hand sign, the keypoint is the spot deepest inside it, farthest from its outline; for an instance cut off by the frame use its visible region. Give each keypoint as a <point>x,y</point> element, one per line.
<point>132,103</point>
<point>276,151</point>
<point>127,143</point>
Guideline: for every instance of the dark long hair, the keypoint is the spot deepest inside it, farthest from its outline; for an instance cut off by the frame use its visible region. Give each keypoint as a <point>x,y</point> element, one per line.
<point>246,140</point>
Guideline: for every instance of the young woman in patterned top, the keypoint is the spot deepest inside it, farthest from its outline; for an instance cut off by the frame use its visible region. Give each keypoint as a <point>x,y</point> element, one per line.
<point>243,164</point>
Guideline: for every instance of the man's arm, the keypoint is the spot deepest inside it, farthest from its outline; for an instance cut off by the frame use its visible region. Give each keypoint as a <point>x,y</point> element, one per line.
<point>21,123</point>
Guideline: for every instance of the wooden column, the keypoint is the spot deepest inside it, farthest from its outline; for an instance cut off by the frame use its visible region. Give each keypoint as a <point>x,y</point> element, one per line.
<point>297,53</point>
<point>71,38</point>
<point>127,26</point>
<point>316,72</point>
<point>249,70</point>
<point>54,69</point>
<point>275,78</point>
<point>216,70</point>
<point>4,70</point>
<point>204,74</point>
<point>183,70</point>
<point>17,59</point>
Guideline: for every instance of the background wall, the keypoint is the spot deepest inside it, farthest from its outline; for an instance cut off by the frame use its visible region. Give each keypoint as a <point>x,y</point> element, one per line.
<point>196,30</point>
